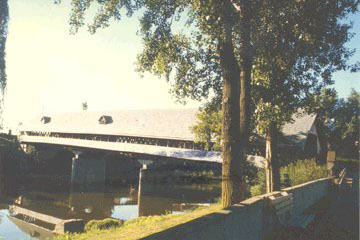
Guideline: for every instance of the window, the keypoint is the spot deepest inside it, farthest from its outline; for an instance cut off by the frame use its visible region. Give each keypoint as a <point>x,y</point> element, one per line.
<point>105,119</point>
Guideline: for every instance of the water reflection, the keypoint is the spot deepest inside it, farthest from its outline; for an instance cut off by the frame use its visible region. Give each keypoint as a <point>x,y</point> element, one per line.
<point>122,201</point>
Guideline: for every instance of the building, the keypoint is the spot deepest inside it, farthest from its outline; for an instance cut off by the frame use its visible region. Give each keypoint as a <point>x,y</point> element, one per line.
<point>303,137</point>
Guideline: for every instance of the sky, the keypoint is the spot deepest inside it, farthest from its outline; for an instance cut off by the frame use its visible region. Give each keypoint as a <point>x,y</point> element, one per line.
<point>51,71</point>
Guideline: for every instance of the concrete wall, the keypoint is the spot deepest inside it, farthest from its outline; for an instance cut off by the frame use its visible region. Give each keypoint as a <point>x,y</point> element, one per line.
<point>249,220</point>
<point>309,193</point>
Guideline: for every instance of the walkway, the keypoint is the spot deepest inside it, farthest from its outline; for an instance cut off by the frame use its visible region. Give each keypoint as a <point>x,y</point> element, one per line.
<point>341,221</point>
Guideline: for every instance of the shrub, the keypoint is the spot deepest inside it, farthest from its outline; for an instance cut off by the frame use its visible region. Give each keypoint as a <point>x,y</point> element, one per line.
<point>303,171</point>
<point>260,184</point>
<point>103,224</point>
<point>293,174</point>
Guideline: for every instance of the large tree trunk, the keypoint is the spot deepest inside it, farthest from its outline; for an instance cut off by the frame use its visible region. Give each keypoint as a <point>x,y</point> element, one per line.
<point>246,55</point>
<point>231,145</point>
<point>272,166</point>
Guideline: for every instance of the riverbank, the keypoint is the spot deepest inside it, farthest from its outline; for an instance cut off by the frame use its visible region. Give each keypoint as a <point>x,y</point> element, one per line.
<point>251,219</point>
<point>142,226</point>
<point>299,172</point>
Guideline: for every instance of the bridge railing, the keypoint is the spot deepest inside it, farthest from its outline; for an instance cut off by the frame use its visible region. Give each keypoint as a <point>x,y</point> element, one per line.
<point>177,143</point>
<point>125,147</point>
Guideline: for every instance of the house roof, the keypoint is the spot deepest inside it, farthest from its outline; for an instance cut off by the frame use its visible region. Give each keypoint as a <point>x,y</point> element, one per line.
<point>168,124</point>
<point>295,133</point>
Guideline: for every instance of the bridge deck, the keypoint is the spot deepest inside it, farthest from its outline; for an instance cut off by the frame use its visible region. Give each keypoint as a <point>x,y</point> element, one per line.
<point>171,152</point>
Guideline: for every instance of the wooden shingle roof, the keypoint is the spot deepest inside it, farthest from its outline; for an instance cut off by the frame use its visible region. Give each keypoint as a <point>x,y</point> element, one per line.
<point>168,124</point>
<point>296,132</point>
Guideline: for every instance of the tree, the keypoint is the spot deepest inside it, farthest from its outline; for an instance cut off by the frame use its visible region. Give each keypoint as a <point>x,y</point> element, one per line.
<point>4,19</point>
<point>325,105</point>
<point>298,45</point>
<point>341,117</point>
<point>216,54</point>
<point>208,130</point>
<point>213,56</point>
<point>347,123</point>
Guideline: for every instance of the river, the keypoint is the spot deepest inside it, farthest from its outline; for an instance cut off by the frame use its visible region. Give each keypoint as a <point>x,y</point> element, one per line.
<point>117,200</point>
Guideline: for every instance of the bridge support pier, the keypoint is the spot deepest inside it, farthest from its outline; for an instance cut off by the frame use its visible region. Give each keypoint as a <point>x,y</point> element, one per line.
<point>143,186</point>
<point>87,183</point>
<point>87,175</point>
<point>148,204</point>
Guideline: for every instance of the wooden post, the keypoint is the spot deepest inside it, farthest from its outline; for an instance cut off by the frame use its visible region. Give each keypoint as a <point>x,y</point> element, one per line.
<point>331,158</point>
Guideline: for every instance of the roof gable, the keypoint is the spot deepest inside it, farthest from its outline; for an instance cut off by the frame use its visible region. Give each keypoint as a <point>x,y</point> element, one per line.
<point>296,132</point>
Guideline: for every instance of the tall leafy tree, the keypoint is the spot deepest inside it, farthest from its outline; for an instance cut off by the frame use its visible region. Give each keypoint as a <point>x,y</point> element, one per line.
<point>325,105</point>
<point>347,125</point>
<point>291,45</point>
<point>4,19</point>
<point>298,45</point>
<point>212,55</point>
<point>341,118</point>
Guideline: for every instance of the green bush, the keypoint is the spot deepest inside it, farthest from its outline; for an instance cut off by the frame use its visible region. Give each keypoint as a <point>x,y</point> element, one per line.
<point>293,174</point>
<point>260,185</point>
<point>103,224</point>
<point>303,171</point>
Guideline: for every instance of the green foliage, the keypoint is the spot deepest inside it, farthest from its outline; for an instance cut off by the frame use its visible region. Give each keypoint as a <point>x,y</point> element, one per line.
<point>346,133</point>
<point>341,116</point>
<point>204,175</point>
<point>147,219</point>
<point>294,48</point>
<point>103,224</point>
<point>11,163</point>
<point>208,130</point>
<point>304,171</point>
<point>292,174</point>
<point>296,60</point>
<point>4,20</point>
<point>11,155</point>
<point>260,186</point>
<point>292,60</point>
<point>297,45</point>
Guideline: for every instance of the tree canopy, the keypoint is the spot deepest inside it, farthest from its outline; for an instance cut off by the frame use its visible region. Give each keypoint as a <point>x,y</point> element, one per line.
<point>218,50</point>
<point>341,117</point>
<point>199,60</point>
<point>298,45</point>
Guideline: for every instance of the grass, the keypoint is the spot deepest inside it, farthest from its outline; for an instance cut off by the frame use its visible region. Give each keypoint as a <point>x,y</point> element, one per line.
<point>106,223</point>
<point>141,227</point>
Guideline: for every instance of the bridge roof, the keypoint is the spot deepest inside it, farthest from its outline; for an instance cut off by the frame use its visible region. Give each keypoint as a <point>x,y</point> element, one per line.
<point>167,124</point>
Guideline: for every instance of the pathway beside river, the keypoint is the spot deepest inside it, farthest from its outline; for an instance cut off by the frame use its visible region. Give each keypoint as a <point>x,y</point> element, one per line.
<point>341,221</point>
